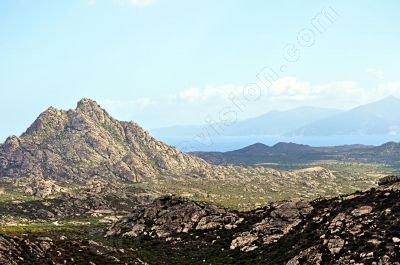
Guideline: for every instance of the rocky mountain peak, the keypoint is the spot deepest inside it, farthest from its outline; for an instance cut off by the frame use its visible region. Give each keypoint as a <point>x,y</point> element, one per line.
<point>90,107</point>
<point>86,142</point>
<point>11,143</point>
<point>87,102</point>
<point>50,119</point>
<point>88,114</point>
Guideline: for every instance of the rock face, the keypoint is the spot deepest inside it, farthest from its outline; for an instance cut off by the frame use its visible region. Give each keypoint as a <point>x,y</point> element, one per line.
<point>170,215</point>
<point>39,187</point>
<point>359,230</point>
<point>389,180</point>
<point>310,256</point>
<point>86,142</point>
<point>281,218</point>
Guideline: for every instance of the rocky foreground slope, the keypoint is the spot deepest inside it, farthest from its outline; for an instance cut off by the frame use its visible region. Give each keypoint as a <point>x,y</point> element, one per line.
<point>360,228</point>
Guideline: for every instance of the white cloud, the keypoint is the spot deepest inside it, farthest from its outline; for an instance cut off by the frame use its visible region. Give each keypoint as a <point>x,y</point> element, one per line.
<point>376,73</point>
<point>209,92</point>
<point>390,88</point>
<point>283,89</point>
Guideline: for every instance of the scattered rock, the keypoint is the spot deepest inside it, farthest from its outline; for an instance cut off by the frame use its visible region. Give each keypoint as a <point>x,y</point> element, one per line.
<point>335,245</point>
<point>363,210</point>
<point>309,256</point>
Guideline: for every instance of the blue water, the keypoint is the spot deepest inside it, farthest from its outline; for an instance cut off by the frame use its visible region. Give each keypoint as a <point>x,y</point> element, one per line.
<point>228,143</point>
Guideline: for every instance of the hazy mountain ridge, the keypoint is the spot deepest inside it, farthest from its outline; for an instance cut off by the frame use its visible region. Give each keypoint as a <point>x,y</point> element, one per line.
<point>377,118</point>
<point>271,123</point>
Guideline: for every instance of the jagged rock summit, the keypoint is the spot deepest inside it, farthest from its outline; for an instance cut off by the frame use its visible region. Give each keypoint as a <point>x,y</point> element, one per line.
<point>86,142</point>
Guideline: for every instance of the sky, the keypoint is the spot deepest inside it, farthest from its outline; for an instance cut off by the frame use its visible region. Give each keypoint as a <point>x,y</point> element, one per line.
<point>162,63</point>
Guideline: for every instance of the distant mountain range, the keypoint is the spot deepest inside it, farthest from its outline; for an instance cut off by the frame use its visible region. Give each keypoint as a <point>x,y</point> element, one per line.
<point>377,118</point>
<point>381,117</point>
<point>291,153</point>
<point>271,123</point>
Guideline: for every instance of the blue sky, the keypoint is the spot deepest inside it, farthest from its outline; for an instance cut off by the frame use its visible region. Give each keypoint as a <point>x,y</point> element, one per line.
<point>163,63</point>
